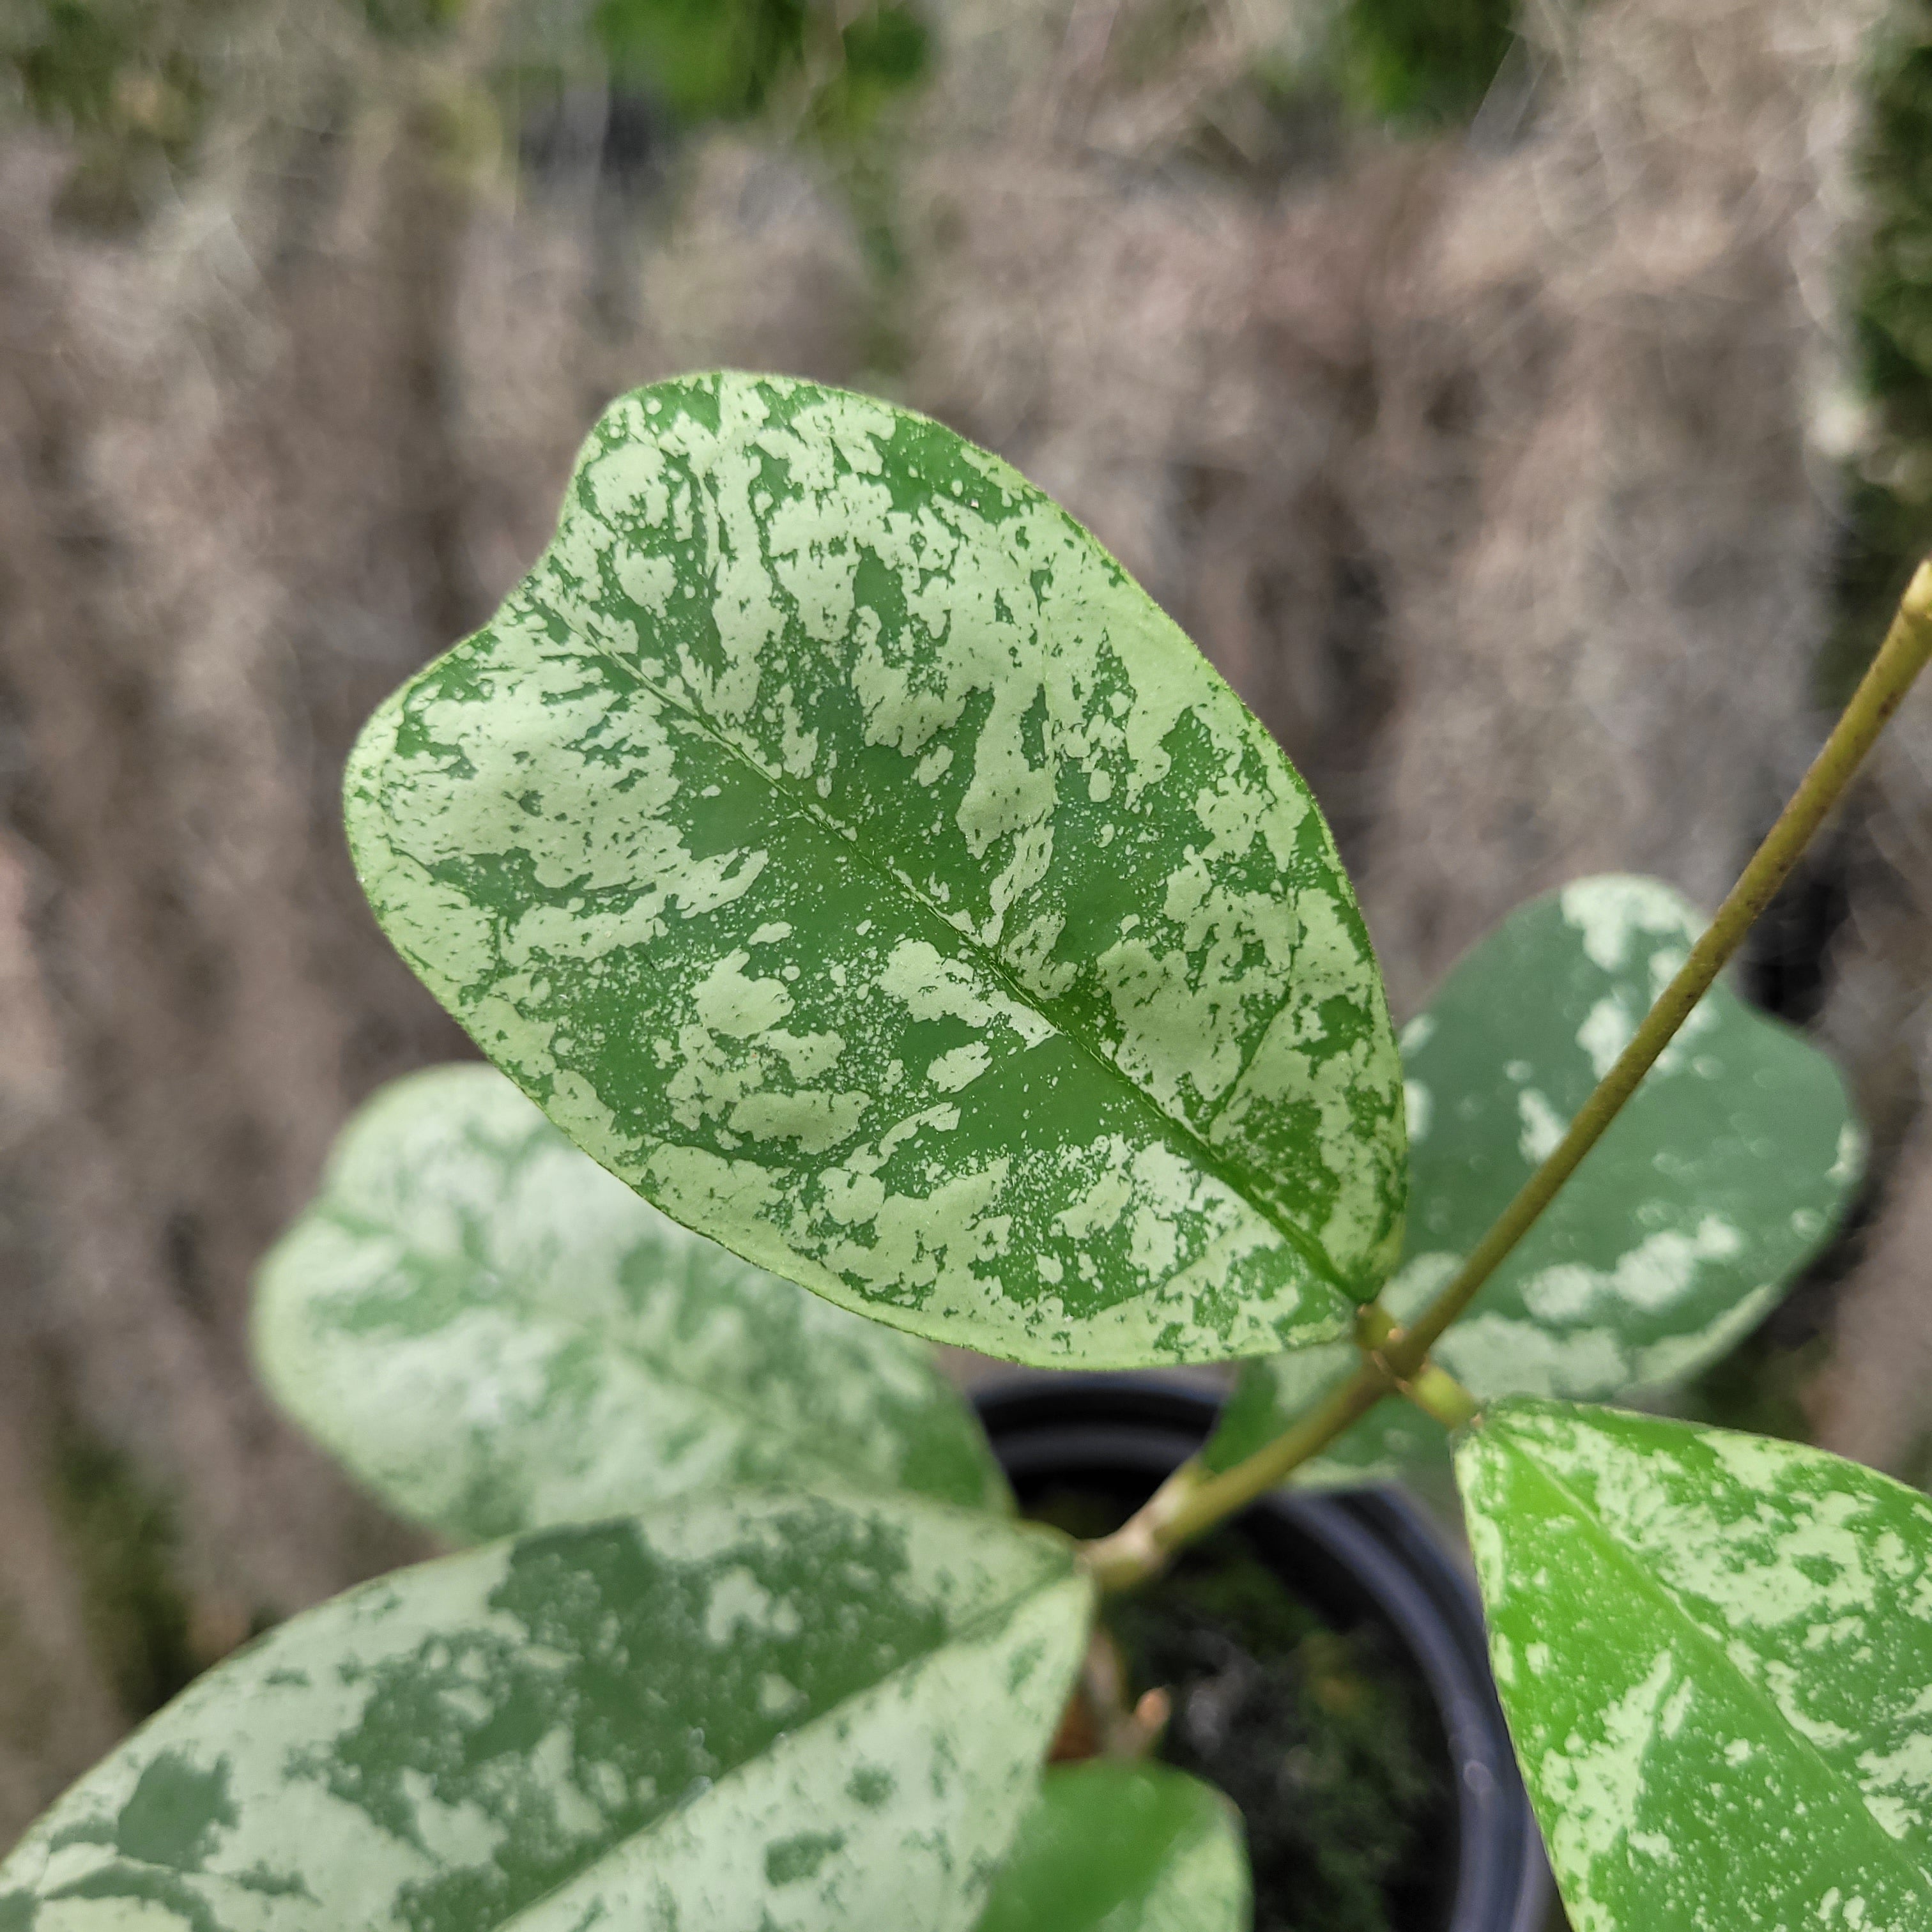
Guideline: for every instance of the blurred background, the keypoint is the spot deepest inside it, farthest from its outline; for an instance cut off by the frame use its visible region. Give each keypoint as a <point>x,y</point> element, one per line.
<point>1528,407</point>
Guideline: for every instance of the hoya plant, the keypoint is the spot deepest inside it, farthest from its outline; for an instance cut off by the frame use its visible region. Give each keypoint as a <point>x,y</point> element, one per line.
<point>886,929</point>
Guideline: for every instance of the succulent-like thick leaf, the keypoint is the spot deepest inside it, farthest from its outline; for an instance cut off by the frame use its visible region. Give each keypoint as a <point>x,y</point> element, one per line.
<point>753,1712</point>
<point>1715,1655</point>
<point>496,1335</point>
<point>1111,1846</point>
<point>839,846</point>
<point>1724,1174</point>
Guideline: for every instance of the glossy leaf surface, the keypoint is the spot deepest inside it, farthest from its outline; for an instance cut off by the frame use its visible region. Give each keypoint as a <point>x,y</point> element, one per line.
<point>1722,1177</point>
<point>1715,1655</point>
<point>755,1713</point>
<point>840,848</point>
<point>496,1335</point>
<point>1111,1846</point>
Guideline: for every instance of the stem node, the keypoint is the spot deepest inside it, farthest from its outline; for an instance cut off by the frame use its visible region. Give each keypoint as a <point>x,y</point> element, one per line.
<point>1396,1357</point>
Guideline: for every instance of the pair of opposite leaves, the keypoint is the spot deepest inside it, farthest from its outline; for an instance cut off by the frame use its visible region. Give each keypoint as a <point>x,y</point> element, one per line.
<point>807,686</point>
<point>499,1335</point>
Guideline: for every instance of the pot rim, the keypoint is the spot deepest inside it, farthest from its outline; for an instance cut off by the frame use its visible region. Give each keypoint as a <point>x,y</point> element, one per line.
<point>1387,1547</point>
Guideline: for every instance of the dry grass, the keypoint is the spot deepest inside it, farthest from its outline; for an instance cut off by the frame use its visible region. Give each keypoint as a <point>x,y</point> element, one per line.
<point>1485,471</point>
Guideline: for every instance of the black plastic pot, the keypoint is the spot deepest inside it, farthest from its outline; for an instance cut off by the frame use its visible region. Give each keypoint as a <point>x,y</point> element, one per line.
<point>1365,1555</point>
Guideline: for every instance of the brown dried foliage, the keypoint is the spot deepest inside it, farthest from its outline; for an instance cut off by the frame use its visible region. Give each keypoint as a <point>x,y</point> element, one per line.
<point>1484,467</point>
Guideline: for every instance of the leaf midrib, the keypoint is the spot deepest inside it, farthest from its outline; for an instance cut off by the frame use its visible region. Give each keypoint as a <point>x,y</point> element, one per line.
<point>1654,1586</point>
<point>793,799</point>
<point>965,1633</point>
<point>745,1413</point>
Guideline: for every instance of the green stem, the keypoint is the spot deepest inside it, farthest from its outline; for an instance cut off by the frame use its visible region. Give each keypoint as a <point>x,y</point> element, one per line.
<point>1192,1502</point>
<point>1907,645</point>
<point>1436,1392</point>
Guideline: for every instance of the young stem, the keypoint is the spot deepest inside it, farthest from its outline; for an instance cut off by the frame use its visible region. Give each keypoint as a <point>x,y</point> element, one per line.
<point>1436,1392</point>
<point>1192,1502</point>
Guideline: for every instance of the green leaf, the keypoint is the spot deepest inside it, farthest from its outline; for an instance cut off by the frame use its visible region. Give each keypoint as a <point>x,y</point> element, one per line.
<point>1114,1847</point>
<point>1714,1651</point>
<point>755,1712</point>
<point>496,1335</point>
<point>1723,1176</point>
<point>842,850</point>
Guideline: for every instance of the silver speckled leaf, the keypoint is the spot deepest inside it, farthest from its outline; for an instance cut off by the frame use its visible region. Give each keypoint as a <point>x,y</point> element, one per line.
<point>751,1713</point>
<point>1111,1846</point>
<point>496,1335</point>
<point>1722,1177</point>
<point>843,850</point>
<point>1715,1655</point>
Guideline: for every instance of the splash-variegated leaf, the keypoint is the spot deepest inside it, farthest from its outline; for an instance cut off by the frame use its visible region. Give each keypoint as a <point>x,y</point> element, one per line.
<point>496,1335</point>
<point>842,849</point>
<point>1111,1846</point>
<point>751,1713</point>
<point>1721,1178</point>
<point>1715,1655</point>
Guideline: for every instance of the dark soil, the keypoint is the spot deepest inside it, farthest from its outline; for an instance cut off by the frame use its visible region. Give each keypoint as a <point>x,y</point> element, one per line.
<point>1324,1738</point>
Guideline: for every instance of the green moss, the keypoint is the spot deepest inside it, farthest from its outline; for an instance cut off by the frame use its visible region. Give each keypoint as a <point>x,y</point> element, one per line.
<point>122,1540</point>
<point>707,59</point>
<point>1398,67</point>
<point>1888,521</point>
<point>132,82</point>
<point>1320,1736</point>
<point>1424,62</point>
<point>410,20</point>
<point>1323,1737</point>
<point>882,55</point>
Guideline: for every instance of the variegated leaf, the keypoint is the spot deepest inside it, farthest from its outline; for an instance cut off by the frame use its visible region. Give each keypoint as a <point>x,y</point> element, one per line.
<point>1111,1846</point>
<point>1715,1655</point>
<point>1722,1177</point>
<point>754,1712</point>
<point>497,1335</point>
<point>839,846</point>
